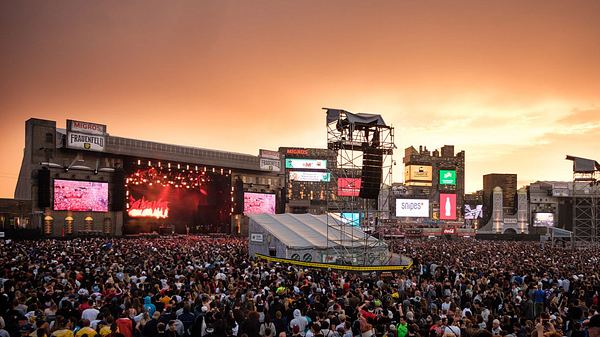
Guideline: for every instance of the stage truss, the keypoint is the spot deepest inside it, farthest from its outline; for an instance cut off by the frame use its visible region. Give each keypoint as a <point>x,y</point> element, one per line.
<point>349,139</point>
<point>586,202</point>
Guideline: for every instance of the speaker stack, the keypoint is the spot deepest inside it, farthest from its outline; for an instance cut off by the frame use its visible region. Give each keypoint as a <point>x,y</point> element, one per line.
<point>371,173</point>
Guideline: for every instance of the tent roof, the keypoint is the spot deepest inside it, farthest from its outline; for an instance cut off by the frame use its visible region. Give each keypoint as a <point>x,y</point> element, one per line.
<point>310,231</point>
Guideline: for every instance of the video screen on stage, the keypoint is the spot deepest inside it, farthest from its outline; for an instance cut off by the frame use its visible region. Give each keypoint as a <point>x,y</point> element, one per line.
<point>183,199</point>
<point>78,195</point>
<point>543,220</point>
<point>259,203</point>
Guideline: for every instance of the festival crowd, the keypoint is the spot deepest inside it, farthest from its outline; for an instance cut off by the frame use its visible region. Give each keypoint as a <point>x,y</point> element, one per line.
<point>190,286</point>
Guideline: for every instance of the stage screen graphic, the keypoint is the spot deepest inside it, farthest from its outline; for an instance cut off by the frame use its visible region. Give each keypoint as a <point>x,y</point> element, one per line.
<point>183,200</point>
<point>77,195</point>
<point>259,203</point>
<point>348,187</point>
<point>543,220</point>
<point>473,212</point>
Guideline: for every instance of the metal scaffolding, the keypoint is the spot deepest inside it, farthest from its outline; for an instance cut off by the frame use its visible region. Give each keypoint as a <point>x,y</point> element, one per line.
<point>364,146</point>
<point>586,201</point>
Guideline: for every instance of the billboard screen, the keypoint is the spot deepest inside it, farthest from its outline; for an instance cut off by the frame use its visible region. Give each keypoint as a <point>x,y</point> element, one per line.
<point>259,203</point>
<point>412,208</point>
<point>76,195</point>
<point>306,164</point>
<point>543,220</point>
<point>352,219</point>
<point>447,177</point>
<point>348,187</point>
<point>473,212</point>
<point>447,206</point>
<point>314,176</point>
<point>420,174</point>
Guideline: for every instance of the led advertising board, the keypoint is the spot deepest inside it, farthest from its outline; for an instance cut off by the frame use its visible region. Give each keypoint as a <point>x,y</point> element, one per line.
<point>447,206</point>
<point>420,175</point>
<point>314,176</point>
<point>447,177</point>
<point>306,164</point>
<point>348,187</point>
<point>350,218</point>
<point>412,208</point>
<point>473,212</point>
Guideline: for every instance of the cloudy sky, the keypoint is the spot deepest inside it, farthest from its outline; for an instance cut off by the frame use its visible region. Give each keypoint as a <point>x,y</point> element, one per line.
<point>516,84</point>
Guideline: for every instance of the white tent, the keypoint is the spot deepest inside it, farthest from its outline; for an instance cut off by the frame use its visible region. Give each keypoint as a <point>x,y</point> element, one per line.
<point>310,237</point>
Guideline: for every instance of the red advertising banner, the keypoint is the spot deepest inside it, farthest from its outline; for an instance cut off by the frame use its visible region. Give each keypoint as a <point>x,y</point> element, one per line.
<point>348,187</point>
<point>447,206</point>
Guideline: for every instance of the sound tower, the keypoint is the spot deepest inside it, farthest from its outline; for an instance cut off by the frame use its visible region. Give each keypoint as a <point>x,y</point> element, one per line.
<point>371,173</point>
<point>118,190</point>
<point>239,196</point>
<point>43,188</point>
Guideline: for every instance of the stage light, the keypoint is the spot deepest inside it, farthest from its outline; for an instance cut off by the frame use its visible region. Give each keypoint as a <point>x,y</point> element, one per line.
<point>139,162</point>
<point>169,165</point>
<point>158,164</point>
<point>178,166</point>
<point>213,169</point>
<point>149,163</point>
<point>187,167</point>
<point>196,167</point>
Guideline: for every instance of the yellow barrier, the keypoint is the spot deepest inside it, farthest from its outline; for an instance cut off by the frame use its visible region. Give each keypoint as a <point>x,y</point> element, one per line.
<point>333,266</point>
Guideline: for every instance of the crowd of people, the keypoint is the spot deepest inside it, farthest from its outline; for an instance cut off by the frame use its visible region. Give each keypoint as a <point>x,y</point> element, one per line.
<point>189,286</point>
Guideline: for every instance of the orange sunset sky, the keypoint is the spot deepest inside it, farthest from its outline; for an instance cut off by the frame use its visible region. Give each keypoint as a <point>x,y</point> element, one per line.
<point>516,84</point>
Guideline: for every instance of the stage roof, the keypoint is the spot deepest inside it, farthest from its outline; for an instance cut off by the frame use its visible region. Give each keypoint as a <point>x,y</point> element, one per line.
<point>355,118</point>
<point>583,165</point>
<point>310,231</point>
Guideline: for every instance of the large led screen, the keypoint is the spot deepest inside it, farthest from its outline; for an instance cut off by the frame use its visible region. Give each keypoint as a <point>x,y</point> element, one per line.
<point>314,176</point>
<point>306,164</point>
<point>412,208</point>
<point>473,212</point>
<point>76,195</point>
<point>543,220</point>
<point>259,203</point>
<point>447,206</point>
<point>194,200</point>
<point>351,218</point>
<point>348,187</point>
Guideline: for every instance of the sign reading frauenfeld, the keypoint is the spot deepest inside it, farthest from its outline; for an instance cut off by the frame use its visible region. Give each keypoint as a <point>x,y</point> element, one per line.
<point>447,177</point>
<point>412,208</point>
<point>273,165</point>
<point>447,206</point>
<point>86,127</point>
<point>83,141</point>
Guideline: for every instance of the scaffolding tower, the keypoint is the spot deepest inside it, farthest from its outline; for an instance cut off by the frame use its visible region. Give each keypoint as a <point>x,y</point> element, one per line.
<point>359,190</point>
<point>586,201</point>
